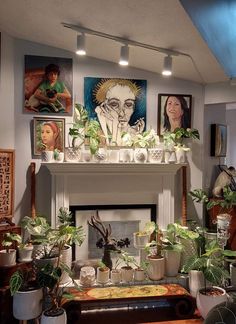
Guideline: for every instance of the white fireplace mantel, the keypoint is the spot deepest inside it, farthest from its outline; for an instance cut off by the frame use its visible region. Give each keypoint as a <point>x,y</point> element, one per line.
<point>66,177</point>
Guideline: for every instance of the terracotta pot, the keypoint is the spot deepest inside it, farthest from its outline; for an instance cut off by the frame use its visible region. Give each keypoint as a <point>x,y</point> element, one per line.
<point>206,303</point>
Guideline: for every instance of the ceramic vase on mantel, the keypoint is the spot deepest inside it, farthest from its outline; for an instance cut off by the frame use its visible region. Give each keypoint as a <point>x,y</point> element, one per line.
<point>140,155</point>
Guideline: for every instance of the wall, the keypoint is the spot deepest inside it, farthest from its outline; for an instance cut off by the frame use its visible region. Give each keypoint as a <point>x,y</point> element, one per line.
<point>231,151</point>
<point>90,67</point>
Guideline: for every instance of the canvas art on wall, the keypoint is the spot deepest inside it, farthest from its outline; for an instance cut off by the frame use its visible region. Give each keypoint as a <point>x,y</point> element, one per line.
<point>118,104</point>
<point>174,110</point>
<point>48,85</point>
<point>48,135</point>
<point>218,140</point>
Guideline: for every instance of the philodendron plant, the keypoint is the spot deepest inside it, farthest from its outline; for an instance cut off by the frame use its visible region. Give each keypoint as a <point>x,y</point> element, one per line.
<point>9,239</point>
<point>171,242</point>
<point>177,137</point>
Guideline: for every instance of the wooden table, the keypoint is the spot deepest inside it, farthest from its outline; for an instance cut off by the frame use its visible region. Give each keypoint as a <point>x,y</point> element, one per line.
<point>102,297</point>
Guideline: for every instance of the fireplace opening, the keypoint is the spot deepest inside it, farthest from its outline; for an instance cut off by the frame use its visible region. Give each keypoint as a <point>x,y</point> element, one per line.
<point>125,219</point>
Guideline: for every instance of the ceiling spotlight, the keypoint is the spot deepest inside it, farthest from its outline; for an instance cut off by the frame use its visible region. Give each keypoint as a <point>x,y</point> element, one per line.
<point>167,66</point>
<point>81,44</point>
<point>124,55</point>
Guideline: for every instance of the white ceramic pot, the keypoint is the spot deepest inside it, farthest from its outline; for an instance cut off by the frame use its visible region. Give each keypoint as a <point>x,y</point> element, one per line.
<point>172,262</point>
<point>127,274</point>
<point>25,253</point>
<point>206,303</point>
<point>113,155</point>
<point>101,155</point>
<point>140,155</point>
<point>60,319</point>
<point>115,276</point>
<point>139,274</point>
<point>7,259</point>
<point>140,240</point>
<point>155,155</point>
<point>86,155</point>
<point>72,154</point>
<point>60,157</point>
<point>47,156</point>
<point>196,281</point>
<point>180,155</point>
<point>87,276</point>
<point>66,258</point>
<point>126,155</point>
<point>103,275</point>
<point>27,305</point>
<point>156,268</point>
<point>37,251</point>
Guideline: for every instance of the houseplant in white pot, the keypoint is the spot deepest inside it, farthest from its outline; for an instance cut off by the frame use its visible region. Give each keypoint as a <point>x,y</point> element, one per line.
<point>211,262</point>
<point>8,255</point>
<point>127,270</point>
<point>172,249</point>
<point>27,294</point>
<point>156,266</point>
<point>174,142</point>
<point>103,273</point>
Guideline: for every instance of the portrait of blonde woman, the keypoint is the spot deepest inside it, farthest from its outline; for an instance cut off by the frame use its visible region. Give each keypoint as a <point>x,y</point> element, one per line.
<point>174,112</point>
<point>118,104</point>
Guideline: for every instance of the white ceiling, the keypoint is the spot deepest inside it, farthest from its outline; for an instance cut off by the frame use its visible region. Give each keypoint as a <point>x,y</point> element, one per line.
<point>161,23</point>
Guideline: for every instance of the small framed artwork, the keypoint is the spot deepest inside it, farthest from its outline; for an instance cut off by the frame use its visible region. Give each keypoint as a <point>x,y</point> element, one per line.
<point>218,140</point>
<point>174,110</point>
<point>48,134</point>
<point>7,171</point>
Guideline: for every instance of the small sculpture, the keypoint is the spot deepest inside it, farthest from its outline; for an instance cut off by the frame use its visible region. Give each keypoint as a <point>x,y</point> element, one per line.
<point>225,178</point>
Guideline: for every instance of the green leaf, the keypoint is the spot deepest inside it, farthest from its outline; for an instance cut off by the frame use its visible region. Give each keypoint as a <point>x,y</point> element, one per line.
<point>16,282</point>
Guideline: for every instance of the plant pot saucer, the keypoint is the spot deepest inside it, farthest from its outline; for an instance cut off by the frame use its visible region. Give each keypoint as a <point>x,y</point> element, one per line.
<point>25,260</point>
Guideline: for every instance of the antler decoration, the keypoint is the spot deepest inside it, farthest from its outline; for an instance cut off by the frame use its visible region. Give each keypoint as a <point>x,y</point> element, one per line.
<point>97,223</point>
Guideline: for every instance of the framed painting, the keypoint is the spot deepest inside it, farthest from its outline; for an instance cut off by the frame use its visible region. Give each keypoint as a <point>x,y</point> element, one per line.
<point>48,134</point>
<point>118,104</point>
<point>218,140</point>
<point>48,85</point>
<point>7,178</point>
<point>174,110</point>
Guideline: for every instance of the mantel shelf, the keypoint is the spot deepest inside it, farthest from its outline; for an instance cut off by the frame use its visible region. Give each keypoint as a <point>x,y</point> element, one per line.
<point>112,168</point>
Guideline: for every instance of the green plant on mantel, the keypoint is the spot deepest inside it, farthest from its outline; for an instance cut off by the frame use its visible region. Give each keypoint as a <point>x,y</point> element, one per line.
<point>148,139</point>
<point>85,129</point>
<point>177,137</point>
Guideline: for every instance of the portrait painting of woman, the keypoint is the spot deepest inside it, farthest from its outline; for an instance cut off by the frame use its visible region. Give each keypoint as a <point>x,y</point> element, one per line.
<point>174,111</point>
<point>118,104</point>
<point>48,135</point>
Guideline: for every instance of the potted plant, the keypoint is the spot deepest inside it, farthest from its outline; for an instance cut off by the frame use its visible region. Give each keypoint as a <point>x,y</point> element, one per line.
<point>210,260</point>
<point>175,140</point>
<point>225,207</point>
<point>172,249</point>
<point>140,271</point>
<point>127,271</point>
<point>27,294</point>
<point>103,273</point>
<point>141,142</point>
<point>25,252</point>
<point>8,255</point>
<point>107,242</point>
<point>156,267</point>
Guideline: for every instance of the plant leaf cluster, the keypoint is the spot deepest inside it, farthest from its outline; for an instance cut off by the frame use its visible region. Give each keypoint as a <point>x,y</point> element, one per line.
<point>176,137</point>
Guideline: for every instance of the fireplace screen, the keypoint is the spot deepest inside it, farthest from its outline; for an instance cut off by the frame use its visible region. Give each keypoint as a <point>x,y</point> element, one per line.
<point>124,220</point>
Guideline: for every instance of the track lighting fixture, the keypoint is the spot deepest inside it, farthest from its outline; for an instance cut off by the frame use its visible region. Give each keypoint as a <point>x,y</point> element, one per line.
<point>167,66</point>
<point>81,44</point>
<point>124,55</point>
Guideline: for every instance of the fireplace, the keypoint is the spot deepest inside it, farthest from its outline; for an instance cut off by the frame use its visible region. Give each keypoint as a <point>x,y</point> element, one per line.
<point>124,221</point>
<point>86,184</point>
